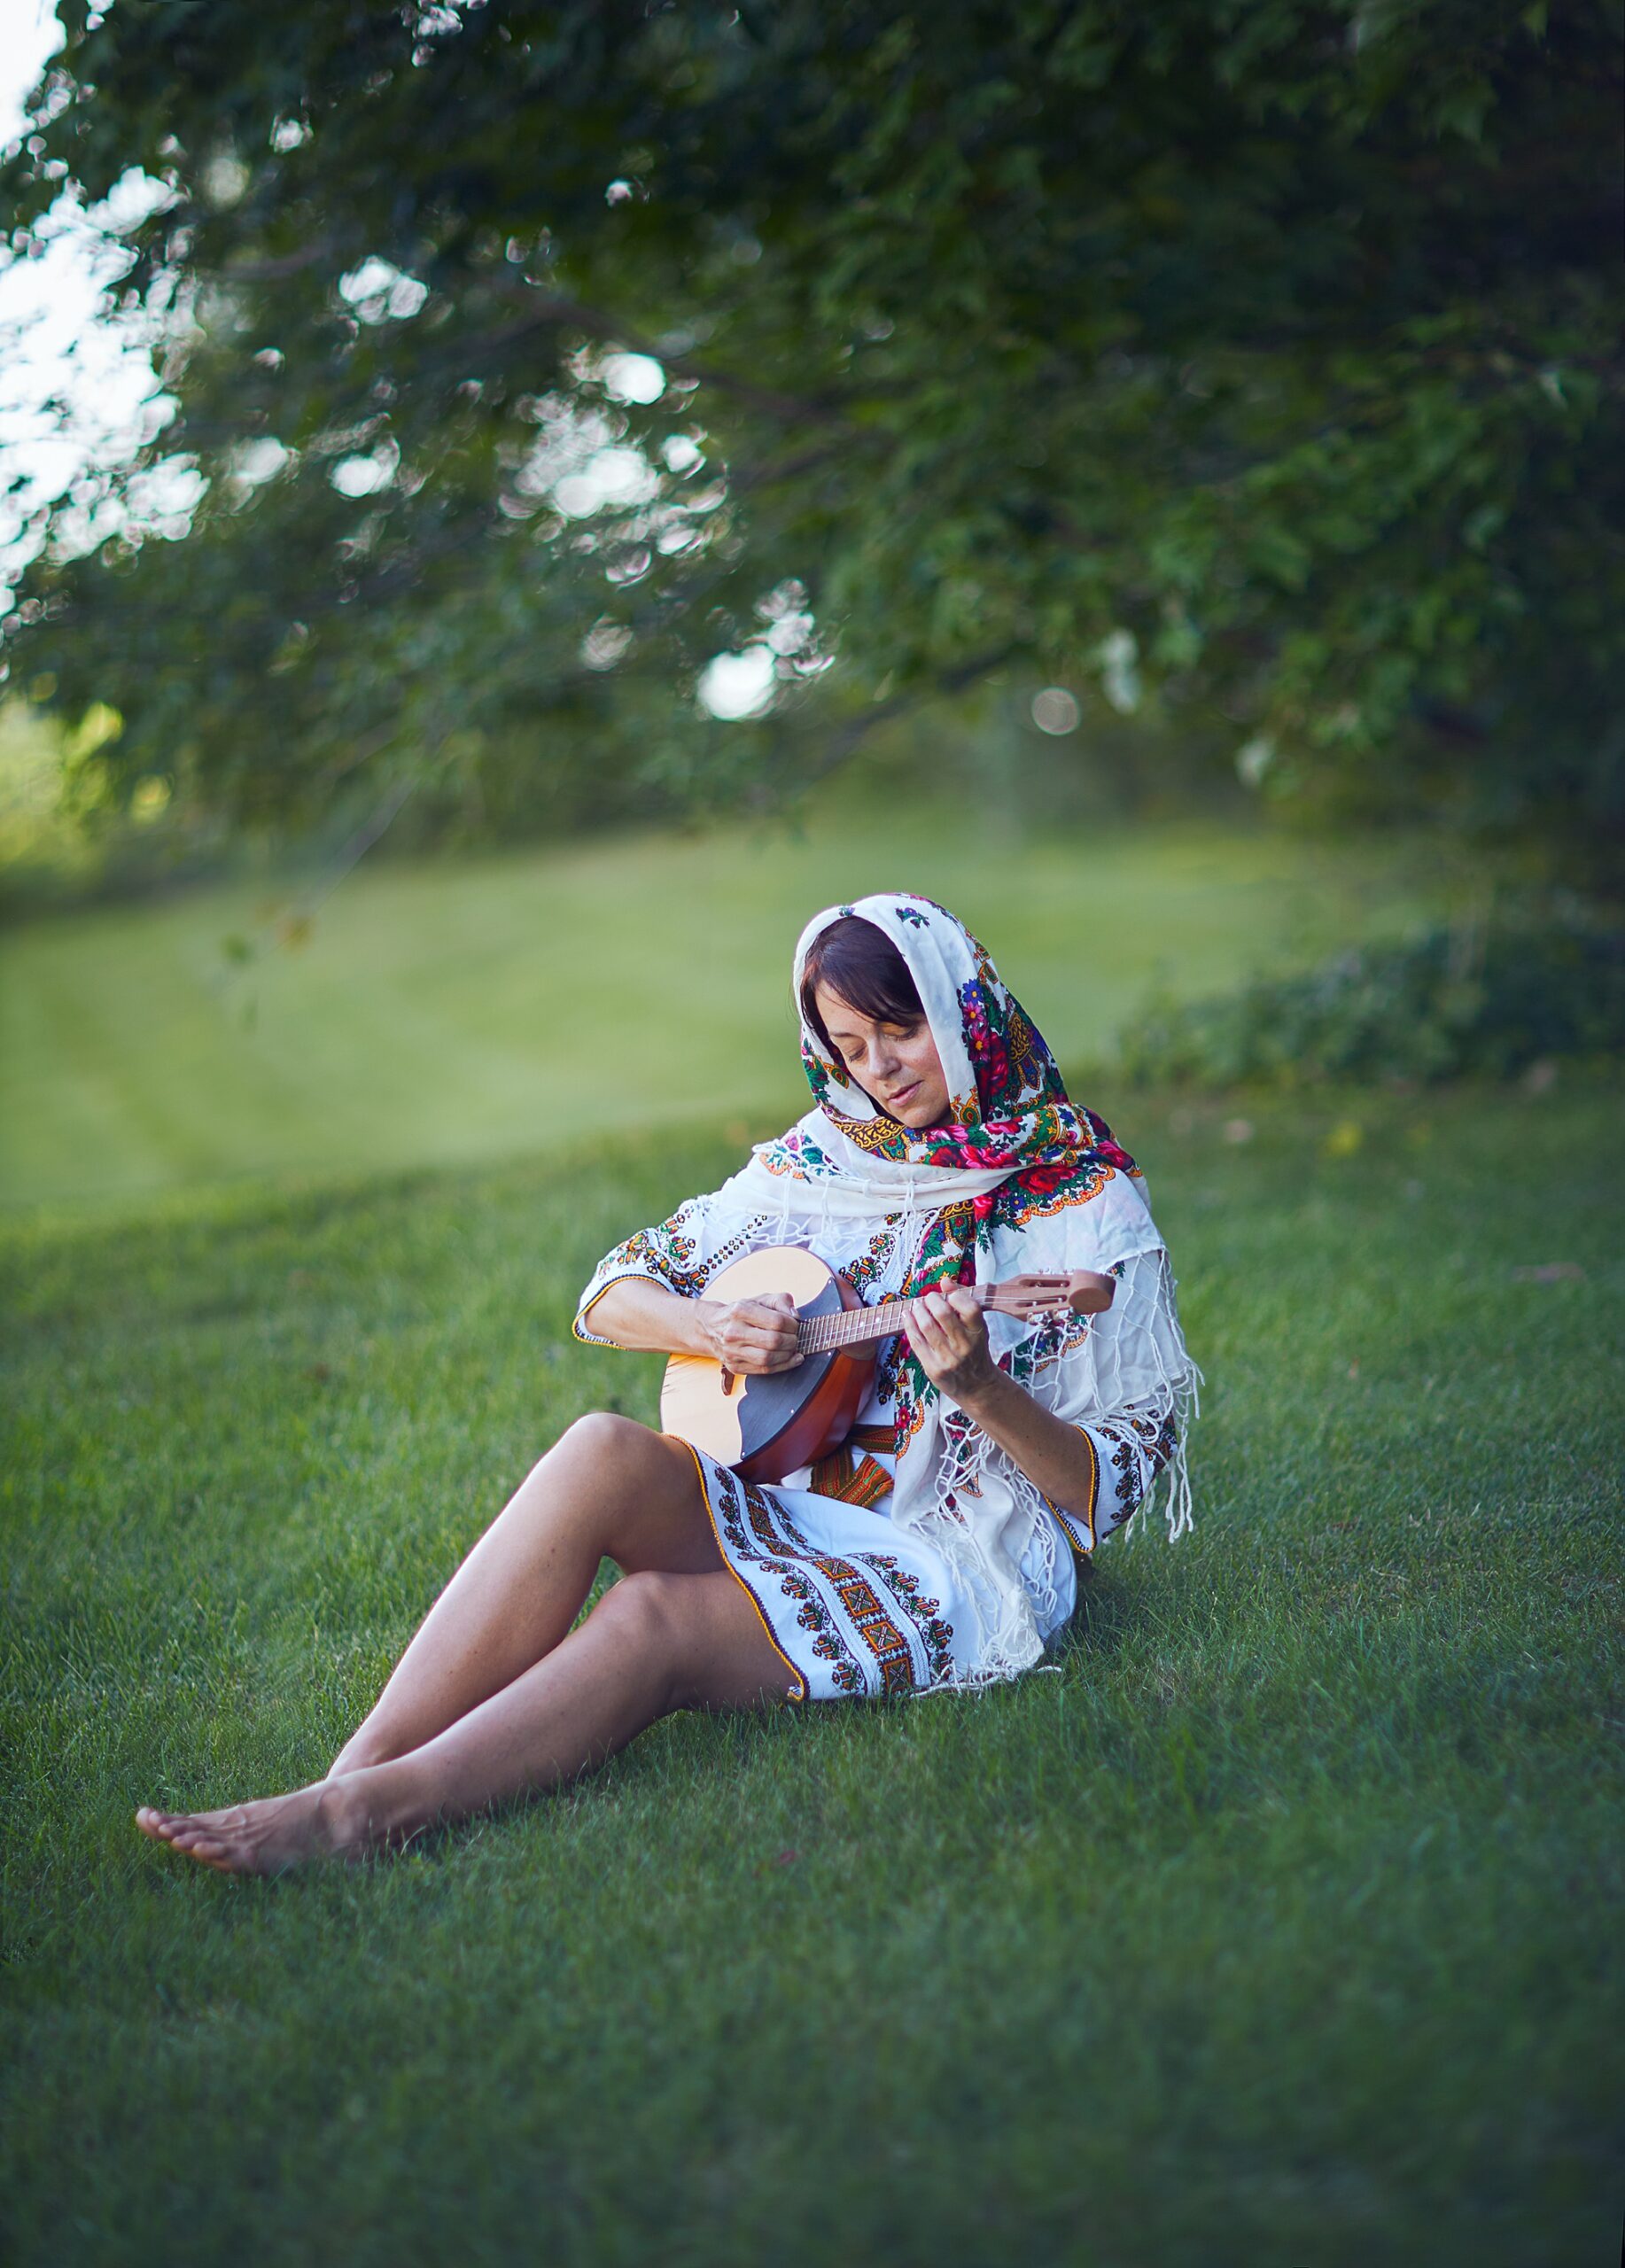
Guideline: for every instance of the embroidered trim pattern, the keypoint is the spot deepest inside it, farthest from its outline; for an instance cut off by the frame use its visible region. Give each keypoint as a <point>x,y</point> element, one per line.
<point>665,1256</point>
<point>879,1633</point>
<point>924,1613</point>
<point>874,1626</point>
<point>860,1273</point>
<point>815,1617</point>
<point>1067,1518</point>
<point>730,1514</point>
<point>883,1137</point>
<point>762,1533</point>
<point>1014,1207</point>
<point>1139,1445</point>
<point>854,1480</point>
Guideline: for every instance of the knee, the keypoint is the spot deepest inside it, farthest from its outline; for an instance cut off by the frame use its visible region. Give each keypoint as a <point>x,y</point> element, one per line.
<point>641,1609</point>
<point>604,1437</point>
<point>602,1443</point>
<point>641,1615</point>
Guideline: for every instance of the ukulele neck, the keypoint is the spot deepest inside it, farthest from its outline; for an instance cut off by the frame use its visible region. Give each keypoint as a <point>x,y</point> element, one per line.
<point>854,1326</point>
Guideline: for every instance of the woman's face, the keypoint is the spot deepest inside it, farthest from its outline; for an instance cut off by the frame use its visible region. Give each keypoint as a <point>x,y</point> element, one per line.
<point>896,1065</point>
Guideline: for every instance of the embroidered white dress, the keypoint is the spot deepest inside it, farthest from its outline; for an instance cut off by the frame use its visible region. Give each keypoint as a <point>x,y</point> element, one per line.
<point>919,1555</point>
<point>856,1604</point>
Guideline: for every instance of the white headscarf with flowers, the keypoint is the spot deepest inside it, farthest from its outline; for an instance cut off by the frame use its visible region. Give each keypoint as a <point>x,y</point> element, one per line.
<point>1019,1180</point>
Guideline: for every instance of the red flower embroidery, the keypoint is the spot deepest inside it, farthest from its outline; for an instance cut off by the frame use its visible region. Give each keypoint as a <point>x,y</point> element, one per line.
<point>1043,1180</point>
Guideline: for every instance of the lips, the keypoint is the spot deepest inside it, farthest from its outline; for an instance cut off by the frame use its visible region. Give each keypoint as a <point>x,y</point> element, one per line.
<point>896,1101</point>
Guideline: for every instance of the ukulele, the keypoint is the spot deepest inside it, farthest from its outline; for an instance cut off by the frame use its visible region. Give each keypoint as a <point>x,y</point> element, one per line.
<point>766,1424</point>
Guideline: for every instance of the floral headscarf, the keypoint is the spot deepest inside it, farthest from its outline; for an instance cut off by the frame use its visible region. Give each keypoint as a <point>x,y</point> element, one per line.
<point>1007,1098</point>
<point>1010,1122</point>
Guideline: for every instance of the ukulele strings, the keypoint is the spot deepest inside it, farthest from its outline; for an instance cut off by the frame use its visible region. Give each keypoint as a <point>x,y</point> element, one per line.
<point>818,1334</point>
<point>823,1332</point>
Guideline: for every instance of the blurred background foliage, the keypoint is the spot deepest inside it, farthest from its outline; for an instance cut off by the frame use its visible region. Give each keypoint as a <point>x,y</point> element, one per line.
<point>1249,373</point>
<point>1471,995</point>
<point>1151,478</point>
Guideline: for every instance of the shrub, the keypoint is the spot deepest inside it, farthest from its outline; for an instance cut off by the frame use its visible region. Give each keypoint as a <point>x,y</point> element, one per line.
<point>1492,1000</point>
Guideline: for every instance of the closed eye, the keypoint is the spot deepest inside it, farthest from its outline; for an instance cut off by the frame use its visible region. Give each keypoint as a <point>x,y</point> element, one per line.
<point>846,1047</point>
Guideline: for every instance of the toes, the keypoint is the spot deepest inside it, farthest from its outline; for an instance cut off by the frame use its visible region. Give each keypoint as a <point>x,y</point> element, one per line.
<point>209,1850</point>
<point>196,1835</point>
<point>178,1828</point>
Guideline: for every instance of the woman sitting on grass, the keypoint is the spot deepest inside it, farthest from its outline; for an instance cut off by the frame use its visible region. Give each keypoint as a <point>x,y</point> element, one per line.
<point>940,1548</point>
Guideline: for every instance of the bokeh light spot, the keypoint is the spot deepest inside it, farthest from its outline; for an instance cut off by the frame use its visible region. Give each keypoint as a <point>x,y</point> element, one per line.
<point>1055,711</point>
<point>737,685</point>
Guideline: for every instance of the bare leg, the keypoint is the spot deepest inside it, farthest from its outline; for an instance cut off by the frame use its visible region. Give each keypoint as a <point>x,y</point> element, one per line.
<point>609,1488</point>
<point>653,1643</point>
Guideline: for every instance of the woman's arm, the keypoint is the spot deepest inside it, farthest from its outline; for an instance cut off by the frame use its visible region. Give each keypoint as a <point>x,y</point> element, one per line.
<point>748,1336</point>
<point>948,1333</point>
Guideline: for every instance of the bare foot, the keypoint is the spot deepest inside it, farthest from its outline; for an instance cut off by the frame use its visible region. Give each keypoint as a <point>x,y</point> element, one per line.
<point>327,1821</point>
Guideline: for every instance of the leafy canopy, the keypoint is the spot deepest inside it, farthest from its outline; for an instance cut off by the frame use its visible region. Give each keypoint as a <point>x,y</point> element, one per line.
<point>1253,363</point>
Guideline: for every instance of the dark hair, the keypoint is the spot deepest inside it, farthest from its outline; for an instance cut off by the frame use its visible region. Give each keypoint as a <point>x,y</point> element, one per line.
<point>861,966</point>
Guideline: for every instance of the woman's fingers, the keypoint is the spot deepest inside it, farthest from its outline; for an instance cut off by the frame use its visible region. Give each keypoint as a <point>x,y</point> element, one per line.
<point>760,1335</point>
<point>931,1321</point>
<point>772,1323</point>
<point>948,1334</point>
<point>751,1336</point>
<point>753,1356</point>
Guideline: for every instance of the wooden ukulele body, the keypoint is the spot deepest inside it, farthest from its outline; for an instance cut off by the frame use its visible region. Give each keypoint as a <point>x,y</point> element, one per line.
<point>766,1425</point>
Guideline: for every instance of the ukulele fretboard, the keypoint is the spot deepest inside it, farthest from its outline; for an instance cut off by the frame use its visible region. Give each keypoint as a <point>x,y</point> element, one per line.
<point>818,1334</point>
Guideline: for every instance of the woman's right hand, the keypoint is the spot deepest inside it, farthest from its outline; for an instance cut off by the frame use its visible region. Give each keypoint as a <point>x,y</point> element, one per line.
<point>751,1337</point>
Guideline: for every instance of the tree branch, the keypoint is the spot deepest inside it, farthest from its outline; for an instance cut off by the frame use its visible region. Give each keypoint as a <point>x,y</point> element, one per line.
<point>847,737</point>
<point>273,268</point>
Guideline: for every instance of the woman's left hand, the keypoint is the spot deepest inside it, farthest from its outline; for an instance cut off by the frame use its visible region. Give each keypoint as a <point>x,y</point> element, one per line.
<point>949,1334</point>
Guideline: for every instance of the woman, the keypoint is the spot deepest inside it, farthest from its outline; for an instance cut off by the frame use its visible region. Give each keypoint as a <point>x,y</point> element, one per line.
<point>939,1547</point>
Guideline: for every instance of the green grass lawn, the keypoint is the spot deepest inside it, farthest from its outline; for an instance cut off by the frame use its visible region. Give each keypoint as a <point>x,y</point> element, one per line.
<point>457,1012</point>
<point>1282,1927</point>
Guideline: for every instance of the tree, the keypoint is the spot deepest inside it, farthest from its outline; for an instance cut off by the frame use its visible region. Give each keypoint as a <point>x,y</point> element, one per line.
<point>1255,365</point>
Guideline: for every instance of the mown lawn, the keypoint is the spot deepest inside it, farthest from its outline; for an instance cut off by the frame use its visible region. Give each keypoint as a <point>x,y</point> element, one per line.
<point>1282,1927</point>
<point>457,1012</point>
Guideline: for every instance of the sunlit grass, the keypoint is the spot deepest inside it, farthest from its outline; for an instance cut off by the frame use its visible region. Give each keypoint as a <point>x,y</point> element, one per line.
<point>478,1010</point>
<point>1282,1927</point>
